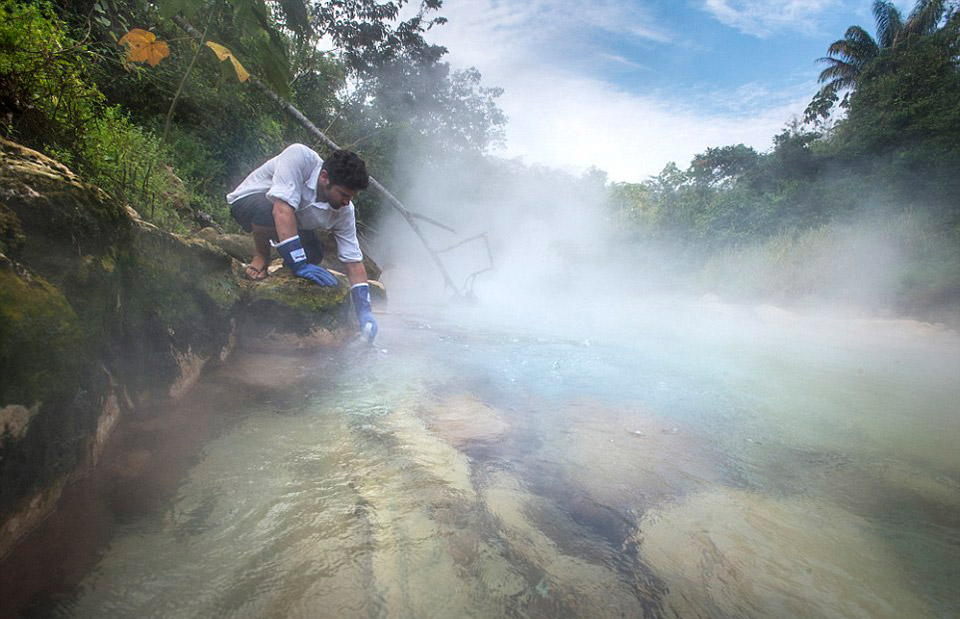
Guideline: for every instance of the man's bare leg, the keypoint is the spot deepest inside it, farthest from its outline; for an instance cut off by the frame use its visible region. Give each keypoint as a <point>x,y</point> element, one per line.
<point>261,253</point>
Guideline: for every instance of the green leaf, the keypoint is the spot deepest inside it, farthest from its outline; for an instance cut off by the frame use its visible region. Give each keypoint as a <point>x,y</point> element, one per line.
<point>296,17</point>
<point>103,21</point>
<point>227,74</point>
<point>275,67</point>
<point>169,8</point>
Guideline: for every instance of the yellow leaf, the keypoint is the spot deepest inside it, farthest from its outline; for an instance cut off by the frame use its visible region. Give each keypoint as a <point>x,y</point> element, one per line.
<point>143,46</point>
<point>223,54</point>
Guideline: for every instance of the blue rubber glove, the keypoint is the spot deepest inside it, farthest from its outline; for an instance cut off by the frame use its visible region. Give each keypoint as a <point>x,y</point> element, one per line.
<point>291,250</point>
<point>360,293</point>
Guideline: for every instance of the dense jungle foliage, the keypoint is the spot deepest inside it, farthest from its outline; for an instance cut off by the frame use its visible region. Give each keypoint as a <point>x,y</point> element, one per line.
<point>883,162</point>
<point>895,147</point>
<point>881,138</point>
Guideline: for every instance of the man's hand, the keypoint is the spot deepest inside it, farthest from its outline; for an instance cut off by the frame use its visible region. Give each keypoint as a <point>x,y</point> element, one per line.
<point>291,250</point>
<point>360,293</point>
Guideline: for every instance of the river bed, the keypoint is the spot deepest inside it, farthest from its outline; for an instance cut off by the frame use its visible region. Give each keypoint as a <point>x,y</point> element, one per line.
<point>778,466</point>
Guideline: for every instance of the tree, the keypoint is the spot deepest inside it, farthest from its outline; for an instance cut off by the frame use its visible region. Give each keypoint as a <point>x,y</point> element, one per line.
<point>630,205</point>
<point>847,57</point>
<point>721,167</point>
<point>903,122</point>
<point>364,32</point>
<point>428,106</point>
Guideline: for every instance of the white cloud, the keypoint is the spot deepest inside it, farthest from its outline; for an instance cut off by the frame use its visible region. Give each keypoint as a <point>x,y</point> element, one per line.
<point>618,18</point>
<point>622,60</point>
<point>574,122</point>
<point>563,115</point>
<point>543,28</point>
<point>762,18</point>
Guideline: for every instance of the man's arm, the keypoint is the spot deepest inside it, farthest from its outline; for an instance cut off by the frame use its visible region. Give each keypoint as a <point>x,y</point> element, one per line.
<point>360,293</point>
<point>285,220</point>
<point>356,273</point>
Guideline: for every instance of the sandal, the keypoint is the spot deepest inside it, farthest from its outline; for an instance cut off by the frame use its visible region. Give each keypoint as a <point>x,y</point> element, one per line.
<point>254,274</point>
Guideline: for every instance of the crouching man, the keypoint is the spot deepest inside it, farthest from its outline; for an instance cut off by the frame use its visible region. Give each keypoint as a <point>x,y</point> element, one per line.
<point>283,201</point>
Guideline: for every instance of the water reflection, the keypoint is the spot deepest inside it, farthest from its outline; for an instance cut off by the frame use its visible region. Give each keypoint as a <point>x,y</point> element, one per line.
<point>484,473</point>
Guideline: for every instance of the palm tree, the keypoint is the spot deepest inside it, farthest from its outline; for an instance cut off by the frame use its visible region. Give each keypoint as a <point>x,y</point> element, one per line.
<point>847,57</point>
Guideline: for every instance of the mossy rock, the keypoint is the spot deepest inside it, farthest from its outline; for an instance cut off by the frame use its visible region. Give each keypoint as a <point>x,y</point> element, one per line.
<point>11,233</point>
<point>285,311</point>
<point>95,300</point>
<point>41,339</point>
<point>237,246</point>
<point>378,294</point>
<point>73,234</point>
<point>97,306</point>
<point>46,369</point>
<point>186,265</point>
<point>284,288</point>
<point>178,296</point>
<point>58,212</point>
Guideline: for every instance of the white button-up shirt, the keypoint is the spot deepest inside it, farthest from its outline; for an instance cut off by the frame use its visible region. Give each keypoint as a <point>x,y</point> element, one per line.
<point>292,177</point>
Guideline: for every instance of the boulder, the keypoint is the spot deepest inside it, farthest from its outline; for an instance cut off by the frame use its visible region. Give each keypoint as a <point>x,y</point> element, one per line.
<point>284,312</point>
<point>60,310</point>
<point>237,246</point>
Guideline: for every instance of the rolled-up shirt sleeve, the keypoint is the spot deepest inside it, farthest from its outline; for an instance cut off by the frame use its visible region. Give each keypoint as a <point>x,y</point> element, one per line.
<point>291,170</point>
<point>345,231</point>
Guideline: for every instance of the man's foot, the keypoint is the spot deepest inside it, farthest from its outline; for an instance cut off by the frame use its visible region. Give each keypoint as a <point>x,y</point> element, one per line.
<point>256,270</point>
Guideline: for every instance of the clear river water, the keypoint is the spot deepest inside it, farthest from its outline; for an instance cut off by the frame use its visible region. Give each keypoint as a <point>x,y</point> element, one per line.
<point>742,462</point>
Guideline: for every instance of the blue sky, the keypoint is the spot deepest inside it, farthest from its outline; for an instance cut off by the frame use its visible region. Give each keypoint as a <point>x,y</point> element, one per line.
<point>629,85</point>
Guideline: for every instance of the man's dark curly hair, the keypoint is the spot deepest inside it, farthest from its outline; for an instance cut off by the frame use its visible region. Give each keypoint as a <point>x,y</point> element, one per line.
<point>346,169</point>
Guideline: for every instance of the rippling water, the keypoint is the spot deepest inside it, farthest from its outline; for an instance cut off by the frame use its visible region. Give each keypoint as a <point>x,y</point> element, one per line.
<point>781,467</point>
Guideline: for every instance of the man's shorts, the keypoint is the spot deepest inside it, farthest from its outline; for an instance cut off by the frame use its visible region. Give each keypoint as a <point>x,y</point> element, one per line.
<point>258,209</point>
<point>253,209</point>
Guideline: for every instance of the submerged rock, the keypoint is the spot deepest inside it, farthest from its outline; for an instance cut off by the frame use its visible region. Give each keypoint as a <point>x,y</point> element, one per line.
<point>461,419</point>
<point>617,464</point>
<point>569,585</point>
<point>734,553</point>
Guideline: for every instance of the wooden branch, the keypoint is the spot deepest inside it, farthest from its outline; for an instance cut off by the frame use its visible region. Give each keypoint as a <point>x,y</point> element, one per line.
<point>482,235</point>
<point>432,221</point>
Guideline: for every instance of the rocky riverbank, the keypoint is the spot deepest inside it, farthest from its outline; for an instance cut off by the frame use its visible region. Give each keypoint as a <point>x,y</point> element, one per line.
<point>103,314</point>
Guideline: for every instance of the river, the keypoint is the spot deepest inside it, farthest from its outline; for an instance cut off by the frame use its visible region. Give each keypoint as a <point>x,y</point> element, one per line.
<point>727,462</point>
